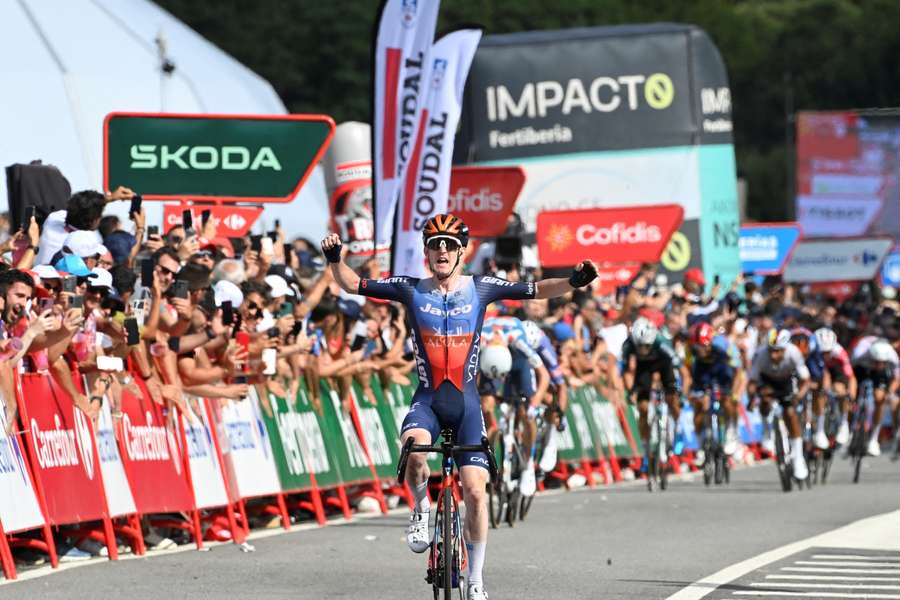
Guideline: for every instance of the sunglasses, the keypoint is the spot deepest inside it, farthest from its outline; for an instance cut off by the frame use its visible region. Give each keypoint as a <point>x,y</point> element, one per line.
<point>438,244</point>
<point>166,271</point>
<point>176,240</point>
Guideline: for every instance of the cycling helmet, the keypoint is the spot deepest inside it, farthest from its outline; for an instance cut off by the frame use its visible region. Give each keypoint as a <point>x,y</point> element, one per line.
<point>446,226</point>
<point>533,333</point>
<point>496,361</point>
<point>826,338</point>
<point>702,334</point>
<point>881,351</point>
<point>778,339</point>
<point>643,331</point>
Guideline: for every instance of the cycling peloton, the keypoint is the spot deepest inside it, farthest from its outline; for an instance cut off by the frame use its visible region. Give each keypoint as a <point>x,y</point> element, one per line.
<point>646,353</point>
<point>711,366</point>
<point>445,313</point>
<point>840,378</point>
<point>874,360</point>
<point>527,378</point>
<point>779,373</point>
<point>807,342</point>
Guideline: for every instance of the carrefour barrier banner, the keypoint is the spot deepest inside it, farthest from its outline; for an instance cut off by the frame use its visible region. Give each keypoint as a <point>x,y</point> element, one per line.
<point>426,184</point>
<point>766,247</point>
<point>206,472</point>
<point>61,439</point>
<point>152,456</point>
<point>246,447</point>
<point>606,235</point>
<point>402,66</point>
<point>612,116</point>
<point>853,259</point>
<point>119,499</point>
<point>19,508</point>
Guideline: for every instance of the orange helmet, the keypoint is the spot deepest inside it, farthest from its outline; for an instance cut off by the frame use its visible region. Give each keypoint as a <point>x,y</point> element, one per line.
<point>446,226</point>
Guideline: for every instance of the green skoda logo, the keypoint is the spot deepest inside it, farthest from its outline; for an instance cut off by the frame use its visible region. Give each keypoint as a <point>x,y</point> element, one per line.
<point>256,158</point>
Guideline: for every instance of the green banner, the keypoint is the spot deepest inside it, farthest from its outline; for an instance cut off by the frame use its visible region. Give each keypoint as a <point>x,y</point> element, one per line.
<point>337,426</point>
<point>377,422</point>
<point>606,423</point>
<point>399,399</point>
<point>258,158</point>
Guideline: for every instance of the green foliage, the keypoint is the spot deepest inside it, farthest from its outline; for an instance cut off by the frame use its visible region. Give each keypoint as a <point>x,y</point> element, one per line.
<point>782,55</point>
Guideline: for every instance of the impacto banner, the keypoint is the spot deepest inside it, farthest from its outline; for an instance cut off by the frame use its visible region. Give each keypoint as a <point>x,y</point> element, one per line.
<point>856,259</point>
<point>606,235</point>
<point>402,46</point>
<point>427,180</point>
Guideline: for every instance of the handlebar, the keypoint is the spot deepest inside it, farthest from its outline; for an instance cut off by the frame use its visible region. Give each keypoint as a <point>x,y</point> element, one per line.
<point>446,450</point>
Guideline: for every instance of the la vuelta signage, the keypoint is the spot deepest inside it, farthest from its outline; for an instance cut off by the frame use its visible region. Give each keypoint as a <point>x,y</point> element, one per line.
<point>606,235</point>
<point>484,197</point>
<point>231,221</point>
<point>232,158</point>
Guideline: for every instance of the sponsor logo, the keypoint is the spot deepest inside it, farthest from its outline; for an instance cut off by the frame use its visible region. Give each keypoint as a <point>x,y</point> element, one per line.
<point>234,221</point>
<point>477,202</point>
<point>393,280</point>
<point>85,443</point>
<point>603,94</point>
<point>472,366</point>
<point>408,11</point>
<point>240,435</point>
<point>618,233</point>
<point>421,368</point>
<point>203,158</point>
<point>423,180</point>
<point>865,258</point>
<point>560,237</point>
<point>715,100</point>
<point>438,70</point>
<point>145,442</point>
<point>409,102</point>
<point>479,459</point>
<point>56,447</point>
<point>495,281</point>
<point>453,312</point>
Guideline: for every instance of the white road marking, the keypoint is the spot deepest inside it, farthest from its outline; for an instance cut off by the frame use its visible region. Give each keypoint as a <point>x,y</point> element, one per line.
<point>845,586</point>
<point>881,532</point>
<point>854,557</point>
<point>816,594</point>
<point>833,577</point>
<point>846,563</point>
<point>831,570</point>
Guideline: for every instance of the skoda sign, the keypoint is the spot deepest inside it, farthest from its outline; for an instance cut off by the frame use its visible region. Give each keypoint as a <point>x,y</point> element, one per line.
<point>259,158</point>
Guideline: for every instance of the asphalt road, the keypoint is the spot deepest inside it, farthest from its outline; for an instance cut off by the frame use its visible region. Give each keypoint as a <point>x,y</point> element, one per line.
<point>616,542</point>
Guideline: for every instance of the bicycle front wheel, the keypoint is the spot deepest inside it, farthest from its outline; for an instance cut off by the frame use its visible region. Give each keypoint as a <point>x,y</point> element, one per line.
<point>780,459</point>
<point>447,542</point>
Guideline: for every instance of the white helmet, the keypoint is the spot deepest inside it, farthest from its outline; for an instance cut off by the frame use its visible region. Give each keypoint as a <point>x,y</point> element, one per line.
<point>778,339</point>
<point>533,334</point>
<point>826,339</point>
<point>643,331</point>
<point>496,361</point>
<point>881,351</point>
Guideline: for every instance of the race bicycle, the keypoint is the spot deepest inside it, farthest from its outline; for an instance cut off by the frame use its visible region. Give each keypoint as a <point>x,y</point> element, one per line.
<point>548,422</point>
<point>818,459</point>
<point>447,557</point>
<point>715,461</point>
<point>659,445</point>
<point>859,426</point>
<point>504,497</point>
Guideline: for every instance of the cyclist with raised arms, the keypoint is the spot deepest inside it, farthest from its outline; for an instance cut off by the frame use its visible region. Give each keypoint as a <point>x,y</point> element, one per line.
<point>711,366</point>
<point>445,313</point>
<point>840,378</point>
<point>646,353</point>
<point>875,360</point>
<point>779,373</point>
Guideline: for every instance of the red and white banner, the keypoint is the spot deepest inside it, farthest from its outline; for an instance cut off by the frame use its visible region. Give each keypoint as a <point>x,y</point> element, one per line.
<point>19,508</point>
<point>606,235</point>
<point>231,221</point>
<point>828,216</point>
<point>152,458</point>
<point>426,183</point>
<point>484,197</point>
<point>609,277</point>
<point>854,259</point>
<point>119,499</point>
<point>402,67</point>
<point>206,471</point>
<point>62,442</point>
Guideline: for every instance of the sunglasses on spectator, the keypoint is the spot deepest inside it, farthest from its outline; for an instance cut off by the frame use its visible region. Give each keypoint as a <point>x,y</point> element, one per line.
<point>167,271</point>
<point>176,240</point>
<point>437,244</point>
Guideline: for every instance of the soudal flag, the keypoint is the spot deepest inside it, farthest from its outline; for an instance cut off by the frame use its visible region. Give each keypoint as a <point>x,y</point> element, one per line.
<point>402,47</point>
<point>426,183</point>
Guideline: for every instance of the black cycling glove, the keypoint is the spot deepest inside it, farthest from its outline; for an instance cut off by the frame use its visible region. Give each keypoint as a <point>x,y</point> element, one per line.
<point>584,276</point>
<point>334,254</point>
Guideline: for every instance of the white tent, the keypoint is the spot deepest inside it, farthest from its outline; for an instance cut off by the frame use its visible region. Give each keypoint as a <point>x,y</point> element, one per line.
<point>68,63</point>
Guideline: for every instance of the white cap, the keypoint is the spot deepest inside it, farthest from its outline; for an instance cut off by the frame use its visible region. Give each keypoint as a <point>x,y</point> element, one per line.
<point>225,291</point>
<point>740,326</point>
<point>46,272</point>
<point>83,243</point>
<point>887,292</point>
<point>279,286</point>
<point>101,250</point>
<point>103,278</point>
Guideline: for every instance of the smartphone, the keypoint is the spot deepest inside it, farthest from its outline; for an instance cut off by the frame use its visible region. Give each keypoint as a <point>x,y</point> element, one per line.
<point>76,302</point>
<point>243,340</point>
<point>204,216</point>
<point>256,243</point>
<point>135,205</point>
<point>358,342</point>
<point>716,279</point>
<point>267,247</point>
<point>270,360</point>
<point>287,309</point>
<point>187,219</point>
<point>68,284</point>
<point>273,332</point>
<point>45,304</point>
<point>273,235</point>
<point>240,380</point>
<point>277,223</point>
<point>227,313</point>
<point>110,363</point>
<point>288,249</point>
<point>132,332</point>
<point>152,230</point>
<point>180,289</point>
<point>147,272</point>
<point>174,344</point>
<point>30,212</point>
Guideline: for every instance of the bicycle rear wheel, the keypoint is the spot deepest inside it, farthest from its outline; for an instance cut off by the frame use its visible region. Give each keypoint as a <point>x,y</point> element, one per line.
<point>858,444</point>
<point>496,491</point>
<point>780,459</point>
<point>525,506</point>
<point>447,550</point>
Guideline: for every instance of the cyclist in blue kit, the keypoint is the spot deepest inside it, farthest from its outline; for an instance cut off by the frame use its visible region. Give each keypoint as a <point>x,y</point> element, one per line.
<point>446,313</point>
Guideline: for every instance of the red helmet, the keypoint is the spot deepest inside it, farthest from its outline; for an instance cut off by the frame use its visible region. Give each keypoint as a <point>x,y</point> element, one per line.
<point>702,334</point>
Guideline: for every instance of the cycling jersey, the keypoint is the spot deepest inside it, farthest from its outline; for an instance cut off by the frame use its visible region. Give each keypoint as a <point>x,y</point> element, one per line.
<point>815,362</point>
<point>791,364</point>
<point>550,359</point>
<point>446,335</point>
<point>714,368</point>
<point>661,359</point>
<point>837,363</point>
<point>864,368</point>
<point>512,332</point>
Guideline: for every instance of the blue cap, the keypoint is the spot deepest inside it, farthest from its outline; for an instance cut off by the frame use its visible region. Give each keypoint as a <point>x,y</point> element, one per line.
<point>119,244</point>
<point>73,265</point>
<point>563,331</point>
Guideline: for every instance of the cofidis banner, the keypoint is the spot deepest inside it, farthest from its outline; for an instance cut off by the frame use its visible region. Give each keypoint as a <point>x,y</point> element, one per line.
<point>765,247</point>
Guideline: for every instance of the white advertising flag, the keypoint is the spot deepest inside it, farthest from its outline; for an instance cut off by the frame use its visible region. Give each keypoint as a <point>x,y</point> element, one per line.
<point>402,47</point>
<point>426,184</point>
